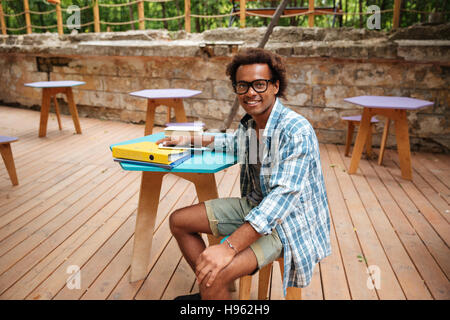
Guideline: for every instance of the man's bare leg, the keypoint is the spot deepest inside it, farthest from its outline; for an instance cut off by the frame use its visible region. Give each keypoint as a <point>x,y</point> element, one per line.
<point>185,225</point>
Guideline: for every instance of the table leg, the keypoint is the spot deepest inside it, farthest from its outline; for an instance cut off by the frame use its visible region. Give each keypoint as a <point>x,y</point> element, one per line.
<point>145,222</point>
<point>206,188</point>
<point>180,114</point>
<point>403,147</point>
<point>150,118</point>
<point>45,108</point>
<point>73,110</point>
<point>383,140</point>
<point>5,150</point>
<point>361,140</point>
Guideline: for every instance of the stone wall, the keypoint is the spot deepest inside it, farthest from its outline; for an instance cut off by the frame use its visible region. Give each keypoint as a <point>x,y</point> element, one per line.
<point>324,67</point>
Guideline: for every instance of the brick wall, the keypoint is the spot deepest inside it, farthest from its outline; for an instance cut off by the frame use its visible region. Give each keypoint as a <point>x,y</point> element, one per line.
<point>324,67</point>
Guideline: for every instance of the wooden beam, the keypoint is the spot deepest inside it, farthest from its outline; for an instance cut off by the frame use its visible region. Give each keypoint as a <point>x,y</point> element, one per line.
<point>2,20</point>
<point>396,20</point>
<point>187,15</point>
<point>96,17</point>
<point>141,15</point>
<point>311,16</point>
<point>59,19</point>
<point>242,9</point>
<point>27,16</point>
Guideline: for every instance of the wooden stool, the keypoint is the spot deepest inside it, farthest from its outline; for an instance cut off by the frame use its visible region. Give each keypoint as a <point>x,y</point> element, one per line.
<point>50,90</point>
<point>245,284</point>
<point>352,122</point>
<point>171,98</point>
<point>5,150</point>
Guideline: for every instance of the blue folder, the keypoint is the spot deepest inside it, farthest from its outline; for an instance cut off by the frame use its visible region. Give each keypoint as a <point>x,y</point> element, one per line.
<point>200,161</point>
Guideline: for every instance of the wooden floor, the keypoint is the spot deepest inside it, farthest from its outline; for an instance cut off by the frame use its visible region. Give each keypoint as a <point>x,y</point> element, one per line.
<point>75,208</point>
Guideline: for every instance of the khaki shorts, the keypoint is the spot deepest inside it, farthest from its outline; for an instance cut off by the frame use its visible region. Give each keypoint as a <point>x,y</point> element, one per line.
<point>227,214</point>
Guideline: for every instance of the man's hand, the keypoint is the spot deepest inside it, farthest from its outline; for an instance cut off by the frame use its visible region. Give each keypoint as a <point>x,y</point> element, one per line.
<point>177,141</point>
<point>211,261</point>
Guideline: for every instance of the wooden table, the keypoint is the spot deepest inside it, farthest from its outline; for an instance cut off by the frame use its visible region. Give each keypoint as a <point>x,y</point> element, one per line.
<point>199,169</point>
<point>6,152</point>
<point>49,92</point>
<point>393,108</point>
<point>171,98</point>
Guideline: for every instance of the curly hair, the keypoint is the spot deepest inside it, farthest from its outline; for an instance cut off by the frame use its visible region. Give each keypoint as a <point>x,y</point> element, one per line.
<point>257,55</point>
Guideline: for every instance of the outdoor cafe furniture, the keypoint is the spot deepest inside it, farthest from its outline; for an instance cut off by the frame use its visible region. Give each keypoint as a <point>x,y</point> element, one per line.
<point>49,92</point>
<point>5,150</point>
<point>353,121</point>
<point>171,98</point>
<point>199,169</point>
<point>393,108</point>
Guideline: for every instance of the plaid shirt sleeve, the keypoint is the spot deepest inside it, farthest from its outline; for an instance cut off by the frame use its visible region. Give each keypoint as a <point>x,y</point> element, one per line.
<point>287,177</point>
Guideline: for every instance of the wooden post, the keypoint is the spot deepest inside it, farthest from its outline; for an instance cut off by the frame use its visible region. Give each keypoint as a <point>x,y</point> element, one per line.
<point>187,15</point>
<point>311,16</point>
<point>141,15</point>
<point>59,20</point>
<point>396,20</point>
<point>2,20</point>
<point>27,16</point>
<point>96,17</point>
<point>242,8</point>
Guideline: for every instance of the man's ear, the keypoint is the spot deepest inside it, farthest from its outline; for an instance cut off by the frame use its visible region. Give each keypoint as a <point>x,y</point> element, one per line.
<point>277,86</point>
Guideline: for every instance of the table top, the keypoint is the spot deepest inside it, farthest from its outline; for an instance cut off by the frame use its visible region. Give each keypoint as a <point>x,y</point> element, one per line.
<point>165,93</point>
<point>54,84</point>
<point>200,162</point>
<point>389,102</point>
<point>5,139</point>
<point>358,118</point>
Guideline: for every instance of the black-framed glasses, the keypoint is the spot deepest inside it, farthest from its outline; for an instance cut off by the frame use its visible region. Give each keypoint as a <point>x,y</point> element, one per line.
<point>259,85</point>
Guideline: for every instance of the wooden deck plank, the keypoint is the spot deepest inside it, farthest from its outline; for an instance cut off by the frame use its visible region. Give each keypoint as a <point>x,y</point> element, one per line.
<point>334,279</point>
<point>405,271</point>
<point>433,242</point>
<point>434,218</point>
<point>60,215</point>
<point>28,236</point>
<point>348,241</point>
<point>45,267</point>
<point>424,182</point>
<point>429,270</point>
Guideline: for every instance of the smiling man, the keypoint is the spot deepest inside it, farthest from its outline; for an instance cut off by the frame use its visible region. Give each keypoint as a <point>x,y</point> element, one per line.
<point>283,208</point>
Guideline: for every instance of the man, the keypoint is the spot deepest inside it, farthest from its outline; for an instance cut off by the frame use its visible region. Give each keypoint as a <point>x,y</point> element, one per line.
<point>283,209</point>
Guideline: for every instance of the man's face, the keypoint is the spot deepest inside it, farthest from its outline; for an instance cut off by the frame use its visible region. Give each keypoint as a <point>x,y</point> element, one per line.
<point>255,103</point>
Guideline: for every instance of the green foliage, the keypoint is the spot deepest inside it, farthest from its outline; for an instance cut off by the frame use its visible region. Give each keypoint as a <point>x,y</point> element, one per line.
<point>212,7</point>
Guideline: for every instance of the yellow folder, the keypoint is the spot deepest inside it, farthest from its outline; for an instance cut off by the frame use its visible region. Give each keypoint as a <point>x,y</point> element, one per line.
<point>147,151</point>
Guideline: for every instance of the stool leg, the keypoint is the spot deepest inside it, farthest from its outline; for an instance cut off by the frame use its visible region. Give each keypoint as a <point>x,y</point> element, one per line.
<point>348,141</point>
<point>5,150</point>
<point>369,142</point>
<point>245,285</point>
<point>383,141</point>
<point>291,292</point>
<point>264,279</point>
<point>58,117</point>
<point>73,110</point>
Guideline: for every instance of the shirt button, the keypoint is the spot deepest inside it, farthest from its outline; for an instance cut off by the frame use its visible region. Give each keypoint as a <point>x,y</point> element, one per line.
<point>279,221</point>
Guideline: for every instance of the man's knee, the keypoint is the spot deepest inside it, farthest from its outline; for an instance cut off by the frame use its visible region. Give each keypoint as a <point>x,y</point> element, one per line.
<point>175,220</point>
